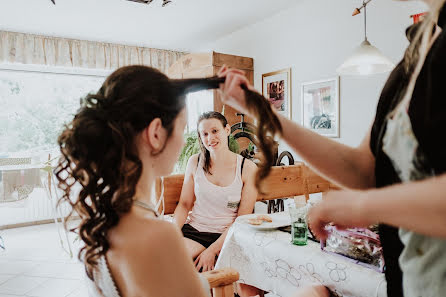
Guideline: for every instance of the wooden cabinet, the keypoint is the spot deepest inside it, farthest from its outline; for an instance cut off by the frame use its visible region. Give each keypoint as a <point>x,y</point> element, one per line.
<point>208,64</point>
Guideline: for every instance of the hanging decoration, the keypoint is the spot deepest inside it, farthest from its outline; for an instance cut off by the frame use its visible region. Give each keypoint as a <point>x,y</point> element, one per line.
<point>418,17</point>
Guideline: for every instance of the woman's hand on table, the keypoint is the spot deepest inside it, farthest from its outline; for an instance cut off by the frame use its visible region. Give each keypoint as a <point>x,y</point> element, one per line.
<point>343,208</point>
<point>206,260</point>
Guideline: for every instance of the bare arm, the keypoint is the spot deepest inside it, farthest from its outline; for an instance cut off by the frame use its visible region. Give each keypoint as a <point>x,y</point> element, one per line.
<point>249,191</point>
<point>346,166</point>
<point>187,196</point>
<point>417,206</point>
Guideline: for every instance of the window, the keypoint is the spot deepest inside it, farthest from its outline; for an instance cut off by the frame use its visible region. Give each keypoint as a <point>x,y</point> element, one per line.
<point>198,103</point>
<point>36,102</point>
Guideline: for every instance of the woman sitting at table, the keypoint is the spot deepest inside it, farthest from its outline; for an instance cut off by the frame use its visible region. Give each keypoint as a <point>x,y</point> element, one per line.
<point>218,187</point>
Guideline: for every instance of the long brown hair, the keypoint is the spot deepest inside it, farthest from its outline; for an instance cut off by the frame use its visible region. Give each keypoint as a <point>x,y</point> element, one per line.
<point>204,153</point>
<point>268,126</point>
<point>99,153</point>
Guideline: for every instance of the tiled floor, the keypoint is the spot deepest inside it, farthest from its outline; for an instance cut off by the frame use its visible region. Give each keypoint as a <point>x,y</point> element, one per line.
<point>34,264</point>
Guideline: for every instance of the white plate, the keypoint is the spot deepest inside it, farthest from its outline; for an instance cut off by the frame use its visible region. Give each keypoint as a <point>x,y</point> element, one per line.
<point>280,219</point>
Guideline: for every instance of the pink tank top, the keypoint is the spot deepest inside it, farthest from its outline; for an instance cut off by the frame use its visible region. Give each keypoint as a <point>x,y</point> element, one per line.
<point>215,207</point>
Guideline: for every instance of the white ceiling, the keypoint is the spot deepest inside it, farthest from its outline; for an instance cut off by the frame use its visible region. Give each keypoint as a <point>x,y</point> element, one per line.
<point>182,25</point>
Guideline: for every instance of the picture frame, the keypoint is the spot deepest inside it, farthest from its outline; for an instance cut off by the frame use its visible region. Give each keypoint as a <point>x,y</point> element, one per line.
<point>276,88</point>
<point>320,106</point>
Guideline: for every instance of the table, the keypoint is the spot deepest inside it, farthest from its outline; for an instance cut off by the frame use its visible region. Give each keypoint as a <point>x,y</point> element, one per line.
<point>267,260</point>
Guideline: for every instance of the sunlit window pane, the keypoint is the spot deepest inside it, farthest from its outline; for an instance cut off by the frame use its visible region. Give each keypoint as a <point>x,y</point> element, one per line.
<point>36,105</point>
<point>198,103</point>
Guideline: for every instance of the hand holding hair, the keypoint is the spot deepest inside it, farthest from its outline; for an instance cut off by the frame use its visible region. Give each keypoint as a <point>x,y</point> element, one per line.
<point>233,90</point>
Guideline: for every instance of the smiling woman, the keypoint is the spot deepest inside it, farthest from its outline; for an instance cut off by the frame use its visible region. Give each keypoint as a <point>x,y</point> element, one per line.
<point>218,187</point>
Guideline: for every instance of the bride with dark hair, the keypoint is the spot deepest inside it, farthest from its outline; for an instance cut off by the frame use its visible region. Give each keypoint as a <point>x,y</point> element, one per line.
<point>122,138</point>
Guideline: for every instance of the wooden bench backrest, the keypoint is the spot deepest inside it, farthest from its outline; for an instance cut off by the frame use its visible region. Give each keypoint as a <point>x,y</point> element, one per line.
<point>282,182</point>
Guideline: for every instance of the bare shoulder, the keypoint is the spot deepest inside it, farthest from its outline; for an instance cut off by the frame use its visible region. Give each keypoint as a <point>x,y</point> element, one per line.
<point>139,235</point>
<point>250,164</point>
<point>194,158</point>
<point>151,251</point>
<point>192,164</point>
<point>157,236</point>
<point>250,167</point>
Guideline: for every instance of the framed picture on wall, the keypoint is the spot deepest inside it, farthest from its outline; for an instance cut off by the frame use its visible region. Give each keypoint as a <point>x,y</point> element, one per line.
<point>276,87</point>
<point>320,106</point>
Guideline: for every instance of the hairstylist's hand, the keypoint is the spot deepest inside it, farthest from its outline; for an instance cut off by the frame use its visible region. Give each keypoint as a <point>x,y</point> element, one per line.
<point>343,208</point>
<point>231,91</point>
<point>206,260</point>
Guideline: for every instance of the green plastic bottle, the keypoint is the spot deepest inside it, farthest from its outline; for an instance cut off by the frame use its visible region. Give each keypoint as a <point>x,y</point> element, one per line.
<point>299,229</point>
<point>299,232</point>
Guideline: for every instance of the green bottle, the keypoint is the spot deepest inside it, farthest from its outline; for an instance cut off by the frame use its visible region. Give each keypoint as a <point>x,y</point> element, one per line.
<point>299,232</point>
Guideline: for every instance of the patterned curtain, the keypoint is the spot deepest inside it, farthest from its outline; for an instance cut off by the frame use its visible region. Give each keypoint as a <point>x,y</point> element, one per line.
<point>53,51</point>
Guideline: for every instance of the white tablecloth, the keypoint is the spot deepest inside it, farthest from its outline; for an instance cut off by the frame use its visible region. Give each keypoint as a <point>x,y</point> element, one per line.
<point>268,260</point>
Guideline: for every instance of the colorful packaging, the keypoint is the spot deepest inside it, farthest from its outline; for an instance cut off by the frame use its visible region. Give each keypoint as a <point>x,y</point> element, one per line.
<point>358,244</point>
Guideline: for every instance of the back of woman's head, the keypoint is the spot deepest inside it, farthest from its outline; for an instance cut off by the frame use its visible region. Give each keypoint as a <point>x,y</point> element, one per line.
<point>99,151</point>
<point>203,151</point>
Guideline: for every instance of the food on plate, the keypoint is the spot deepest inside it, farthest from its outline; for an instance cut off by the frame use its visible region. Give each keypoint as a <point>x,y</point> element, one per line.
<point>255,222</point>
<point>264,218</point>
<point>259,219</point>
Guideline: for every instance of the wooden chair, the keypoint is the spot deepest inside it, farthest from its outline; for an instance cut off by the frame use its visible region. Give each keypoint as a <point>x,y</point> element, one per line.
<point>283,181</point>
<point>221,281</point>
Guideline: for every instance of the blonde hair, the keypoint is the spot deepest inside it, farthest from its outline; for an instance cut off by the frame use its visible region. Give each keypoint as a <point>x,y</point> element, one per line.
<point>417,51</point>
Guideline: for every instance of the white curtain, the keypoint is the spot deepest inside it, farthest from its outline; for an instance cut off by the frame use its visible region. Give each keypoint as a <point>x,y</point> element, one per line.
<point>51,51</point>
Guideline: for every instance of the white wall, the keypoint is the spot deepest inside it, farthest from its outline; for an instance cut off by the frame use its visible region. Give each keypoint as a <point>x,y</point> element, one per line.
<point>313,38</point>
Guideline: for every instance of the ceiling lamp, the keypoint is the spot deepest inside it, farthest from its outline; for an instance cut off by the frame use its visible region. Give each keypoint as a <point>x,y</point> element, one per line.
<point>366,59</point>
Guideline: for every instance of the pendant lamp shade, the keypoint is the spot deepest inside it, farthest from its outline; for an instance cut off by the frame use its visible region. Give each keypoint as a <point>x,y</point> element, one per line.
<point>365,60</point>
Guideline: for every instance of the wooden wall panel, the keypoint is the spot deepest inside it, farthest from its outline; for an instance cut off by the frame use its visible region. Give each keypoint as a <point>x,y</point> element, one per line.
<point>207,71</point>
<point>232,61</point>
